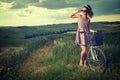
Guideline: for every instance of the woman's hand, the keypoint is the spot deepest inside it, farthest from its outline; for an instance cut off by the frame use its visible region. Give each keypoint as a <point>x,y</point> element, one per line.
<point>77,14</point>
<point>91,30</point>
<point>74,15</point>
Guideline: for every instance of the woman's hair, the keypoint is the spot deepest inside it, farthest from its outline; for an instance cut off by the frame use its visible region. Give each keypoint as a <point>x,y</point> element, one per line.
<point>89,10</point>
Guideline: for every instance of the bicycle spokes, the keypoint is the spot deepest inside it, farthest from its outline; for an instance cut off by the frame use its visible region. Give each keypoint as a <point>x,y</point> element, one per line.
<point>96,59</point>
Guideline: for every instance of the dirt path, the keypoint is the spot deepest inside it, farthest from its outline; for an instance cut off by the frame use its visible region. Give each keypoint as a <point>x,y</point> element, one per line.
<point>32,64</point>
<point>9,50</point>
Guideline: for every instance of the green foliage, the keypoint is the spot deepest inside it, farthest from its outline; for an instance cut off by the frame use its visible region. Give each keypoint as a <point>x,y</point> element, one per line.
<point>15,36</point>
<point>65,52</point>
<point>8,62</point>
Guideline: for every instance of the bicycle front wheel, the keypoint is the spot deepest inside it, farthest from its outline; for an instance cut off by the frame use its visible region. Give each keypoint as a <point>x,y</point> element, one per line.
<point>97,59</point>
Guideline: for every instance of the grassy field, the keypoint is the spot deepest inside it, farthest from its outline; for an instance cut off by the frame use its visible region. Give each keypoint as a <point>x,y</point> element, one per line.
<point>50,53</point>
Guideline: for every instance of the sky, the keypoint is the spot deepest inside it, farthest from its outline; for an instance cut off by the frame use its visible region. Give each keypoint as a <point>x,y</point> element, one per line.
<point>44,12</point>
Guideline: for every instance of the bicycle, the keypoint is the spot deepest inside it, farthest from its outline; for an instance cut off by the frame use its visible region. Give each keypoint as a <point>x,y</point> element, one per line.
<point>96,58</point>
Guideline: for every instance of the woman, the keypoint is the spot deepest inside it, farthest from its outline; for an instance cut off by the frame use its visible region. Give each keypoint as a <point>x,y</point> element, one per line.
<point>82,35</point>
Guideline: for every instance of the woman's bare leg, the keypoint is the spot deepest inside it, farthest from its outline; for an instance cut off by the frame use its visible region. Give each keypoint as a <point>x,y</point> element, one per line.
<point>83,58</point>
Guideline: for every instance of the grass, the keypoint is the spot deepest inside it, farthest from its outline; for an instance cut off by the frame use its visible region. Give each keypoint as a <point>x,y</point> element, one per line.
<point>34,63</point>
<point>62,62</point>
<point>49,57</point>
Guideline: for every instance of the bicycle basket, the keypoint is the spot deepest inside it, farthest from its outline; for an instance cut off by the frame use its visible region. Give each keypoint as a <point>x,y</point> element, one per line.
<point>97,39</point>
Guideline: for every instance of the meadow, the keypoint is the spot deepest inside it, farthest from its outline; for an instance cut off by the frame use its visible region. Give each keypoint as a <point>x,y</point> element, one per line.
<point>49,52</point>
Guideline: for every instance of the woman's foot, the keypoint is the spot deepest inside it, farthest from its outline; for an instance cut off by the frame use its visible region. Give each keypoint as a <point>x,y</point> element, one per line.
<point>85,65</point>
<point>80,64</point>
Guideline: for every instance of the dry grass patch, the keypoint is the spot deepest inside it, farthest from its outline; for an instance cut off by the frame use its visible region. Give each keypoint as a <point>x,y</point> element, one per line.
<point>30,64</point>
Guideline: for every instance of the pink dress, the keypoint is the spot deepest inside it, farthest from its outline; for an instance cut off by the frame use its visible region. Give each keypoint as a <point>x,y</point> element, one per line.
<point>82,34</point>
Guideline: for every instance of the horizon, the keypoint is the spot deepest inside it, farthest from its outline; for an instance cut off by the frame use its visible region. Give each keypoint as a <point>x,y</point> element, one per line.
<point>48,12</point>
<point>61,24</point>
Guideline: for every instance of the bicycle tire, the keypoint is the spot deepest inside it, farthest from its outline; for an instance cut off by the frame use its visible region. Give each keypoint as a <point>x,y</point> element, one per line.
<point>99,63</point>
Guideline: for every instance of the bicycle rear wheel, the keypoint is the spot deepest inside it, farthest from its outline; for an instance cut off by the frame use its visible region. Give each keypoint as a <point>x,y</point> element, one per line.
<point>97,59</point>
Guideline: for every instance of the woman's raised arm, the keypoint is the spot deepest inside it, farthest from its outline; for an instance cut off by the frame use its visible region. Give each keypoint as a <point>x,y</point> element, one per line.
<point>74,15</point>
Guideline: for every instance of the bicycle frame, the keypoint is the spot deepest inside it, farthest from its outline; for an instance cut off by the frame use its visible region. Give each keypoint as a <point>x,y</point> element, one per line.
<point>94,56</point>
<point>93,53</point>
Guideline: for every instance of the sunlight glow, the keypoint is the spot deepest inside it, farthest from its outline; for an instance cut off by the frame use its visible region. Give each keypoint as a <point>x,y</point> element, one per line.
<point>33,15</point>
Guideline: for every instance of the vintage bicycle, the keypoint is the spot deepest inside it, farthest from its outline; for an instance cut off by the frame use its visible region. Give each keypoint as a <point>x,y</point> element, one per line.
<point>96,58</point>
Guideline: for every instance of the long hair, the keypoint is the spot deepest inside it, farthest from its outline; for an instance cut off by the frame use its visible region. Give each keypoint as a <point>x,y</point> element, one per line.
<point>89,11</point>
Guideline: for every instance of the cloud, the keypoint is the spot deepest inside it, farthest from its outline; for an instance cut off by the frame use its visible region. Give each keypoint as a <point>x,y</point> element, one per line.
<point>99,6</point>
<point>25,12</point>
<point>23,3</point>
<point>35,16</point>
<point>20,3</point>
<point>7,1</point>
<point>115,17</point>
<point>40,12</point>
<point>104,7</point>
<point>50,4</point>
<point>41,1</point>
<point>58,4</point>
<point>6,5</point>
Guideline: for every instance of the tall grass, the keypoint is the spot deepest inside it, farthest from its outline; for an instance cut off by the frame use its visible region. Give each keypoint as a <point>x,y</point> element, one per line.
<point>63,64</point>
<point>10,63</point>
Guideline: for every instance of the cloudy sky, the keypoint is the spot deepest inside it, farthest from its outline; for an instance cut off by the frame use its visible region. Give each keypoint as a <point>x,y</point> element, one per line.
<point>43,12</point>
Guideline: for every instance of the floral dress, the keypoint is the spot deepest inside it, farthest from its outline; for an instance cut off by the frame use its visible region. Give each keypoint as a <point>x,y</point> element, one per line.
<point>82,34</point>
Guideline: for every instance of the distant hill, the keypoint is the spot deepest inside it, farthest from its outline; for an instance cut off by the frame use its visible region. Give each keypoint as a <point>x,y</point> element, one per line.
<point>116,22</point>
